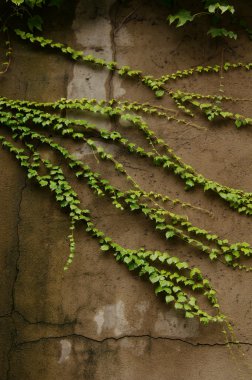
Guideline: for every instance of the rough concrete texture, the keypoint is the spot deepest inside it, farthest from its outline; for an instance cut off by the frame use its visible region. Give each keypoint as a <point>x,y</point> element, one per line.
<point>99,321</point>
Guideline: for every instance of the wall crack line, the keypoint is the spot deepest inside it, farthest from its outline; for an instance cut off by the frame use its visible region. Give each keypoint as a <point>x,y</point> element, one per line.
<point>18,242</point>
<point>113,11</point>
<point>18,254</point>
<point>70,336</point>
<point>45,323</point>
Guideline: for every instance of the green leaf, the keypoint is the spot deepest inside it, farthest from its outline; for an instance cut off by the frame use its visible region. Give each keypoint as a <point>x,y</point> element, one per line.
<point>195,272</point>
<point>17,2</point>
<point>228,258</point>
<point>212,8</point>
<point>53,185</point>
<point>159,93</point>
<point>35,22</point>
<point>178,305</point>
<point>238,123</point>
<point>154,278</point>
<point>225,114</point>
<point>176,289</point>
<point>105,247</point>
<point>189,184</point>
<point>221,32</point>
<point>169,234</point>
<point>213,256</point>
<point>169,299</point>
<point>182,265</point>
<point>182,17</point>
<point>181,299</point>
<point>192,301</point>
<point>43,183</point>
<point>189,315</point>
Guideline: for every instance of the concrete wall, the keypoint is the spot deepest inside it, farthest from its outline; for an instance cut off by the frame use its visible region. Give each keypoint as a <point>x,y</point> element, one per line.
<point>99,321</point>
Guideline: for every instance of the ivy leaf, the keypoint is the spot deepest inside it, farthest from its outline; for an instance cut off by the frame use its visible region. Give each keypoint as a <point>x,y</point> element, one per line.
<point>182,266</point>
<point>159,93</point>
<point>178,305</point>
<point>104,247</point>
<point>176,289</point>
<point>169,299</point>
<point>127,259</point>
<point>221,32</point>
<point>226,114</point>
<point>212,8</point>
<point>182,299</point>
<point>225,8</point>
<point>35,22</point>
<point>17,2</point>
<point>154,278</point>
<point>189,315</point>
<point>213,256</point>
<point>238,123</point>
<point>31,173</point>
<point>53,185</point>
<point>189,184</point>
<point>228,258</point>
<point>195,272</point>
<point>182,17</point>
<point>43,183</point>
<point>169,234</point>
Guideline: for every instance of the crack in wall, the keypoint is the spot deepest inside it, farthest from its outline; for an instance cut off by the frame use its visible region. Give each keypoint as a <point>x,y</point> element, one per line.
<point>19,219</point>
<point>70,336</point>
<point>18,255</point>
<point>8,315</point>
<point>9,353</point>
<point>44,323</point>
<point>113,12</point>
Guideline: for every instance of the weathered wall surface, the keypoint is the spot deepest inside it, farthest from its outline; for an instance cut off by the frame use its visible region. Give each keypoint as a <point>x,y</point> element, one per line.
<point>99,321</point>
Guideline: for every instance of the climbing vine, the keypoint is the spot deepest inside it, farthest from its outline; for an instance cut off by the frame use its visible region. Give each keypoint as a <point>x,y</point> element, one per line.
<point>26,11</point>
<point>32,125</point>
<point>222,15</point>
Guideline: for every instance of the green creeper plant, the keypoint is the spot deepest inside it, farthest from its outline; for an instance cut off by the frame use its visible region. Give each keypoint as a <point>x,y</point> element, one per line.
<point>27,11</point>
<point>31,125</point>
<point>222,15</point>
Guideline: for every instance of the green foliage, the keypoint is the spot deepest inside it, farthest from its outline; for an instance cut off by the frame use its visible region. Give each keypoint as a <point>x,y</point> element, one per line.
<point>32,125</point>
<point>26,11</point>
<point>173,279</point>
<point>221,32</point>
<point>35,3</point>
<point>5,64</point>
<point>181,17</point>
<point>220,13</point>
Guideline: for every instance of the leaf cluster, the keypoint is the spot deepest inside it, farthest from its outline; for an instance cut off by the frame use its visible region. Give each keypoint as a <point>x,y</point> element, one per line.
<point>222,15</point>
<point>32,125</point>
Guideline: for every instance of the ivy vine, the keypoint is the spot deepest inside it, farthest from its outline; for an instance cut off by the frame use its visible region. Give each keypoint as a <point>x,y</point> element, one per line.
<point>31,125</point>
<point>222,15</point>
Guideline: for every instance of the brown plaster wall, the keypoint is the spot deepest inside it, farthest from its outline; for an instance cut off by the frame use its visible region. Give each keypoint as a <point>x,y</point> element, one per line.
<point>99,321</point>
